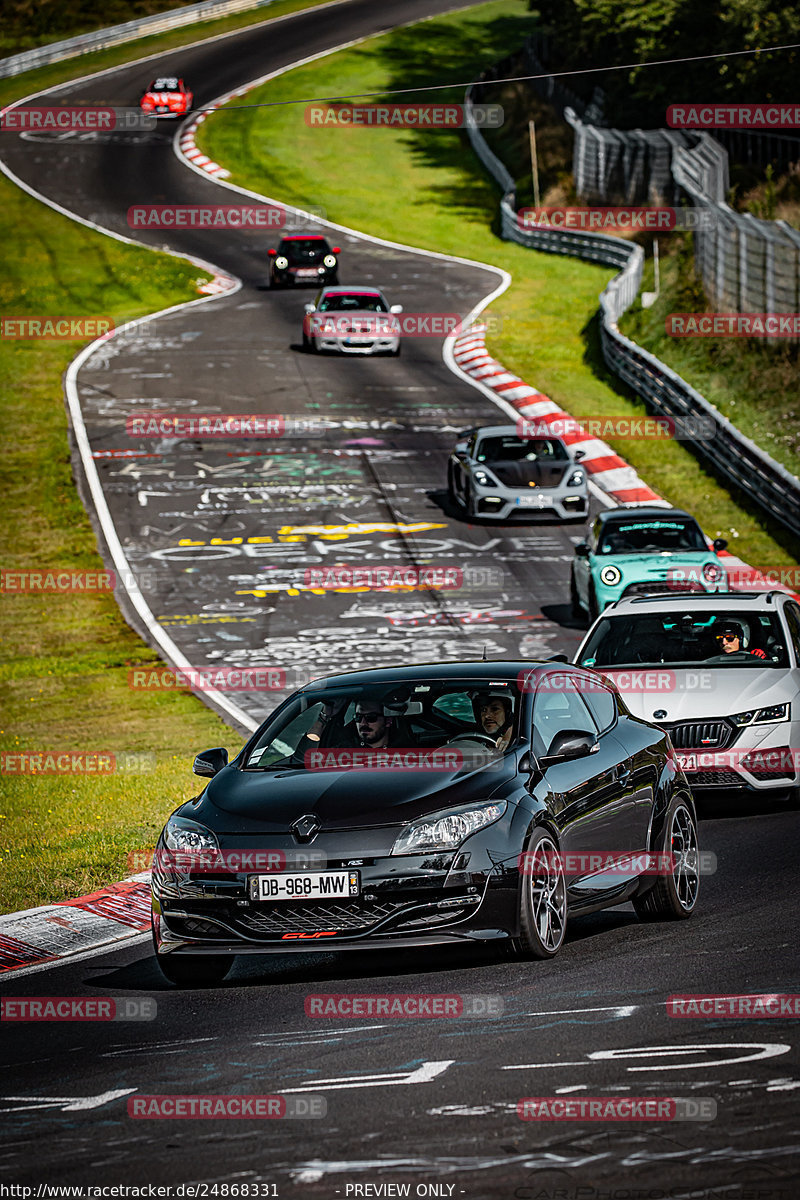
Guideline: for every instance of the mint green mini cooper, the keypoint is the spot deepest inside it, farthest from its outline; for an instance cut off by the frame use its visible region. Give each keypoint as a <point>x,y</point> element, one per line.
<point>639,551</point>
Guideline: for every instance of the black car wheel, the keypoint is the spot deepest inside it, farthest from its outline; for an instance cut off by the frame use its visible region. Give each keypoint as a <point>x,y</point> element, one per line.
<point>674,895</point>
<point>468,505</point>
<point>543,899</point>
<point>306,343</point>
<point>577,607</point>
<point>203,970</point>
<point>451,486</point>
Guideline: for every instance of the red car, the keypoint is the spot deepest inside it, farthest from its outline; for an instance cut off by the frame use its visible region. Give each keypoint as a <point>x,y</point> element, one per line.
<point>166,97</point>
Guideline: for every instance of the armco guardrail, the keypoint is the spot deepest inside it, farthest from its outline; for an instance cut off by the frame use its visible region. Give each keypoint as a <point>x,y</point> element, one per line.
<point>115,35</point>
<point>736,457</point>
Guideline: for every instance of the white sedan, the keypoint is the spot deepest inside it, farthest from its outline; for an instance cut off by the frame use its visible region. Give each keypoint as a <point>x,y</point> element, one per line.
<point>352,320</point>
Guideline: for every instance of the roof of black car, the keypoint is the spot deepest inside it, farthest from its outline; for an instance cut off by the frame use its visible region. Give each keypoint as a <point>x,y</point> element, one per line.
<point>642,510</point>
<point>505,670</point>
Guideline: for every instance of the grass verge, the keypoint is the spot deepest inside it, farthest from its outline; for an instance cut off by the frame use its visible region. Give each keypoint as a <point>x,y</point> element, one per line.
<point>64,658</point>
<point>429,190</point>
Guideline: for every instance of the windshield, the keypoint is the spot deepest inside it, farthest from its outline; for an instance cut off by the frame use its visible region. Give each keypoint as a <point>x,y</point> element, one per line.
<point>681,638</point>
<point>353,302</point>
<point>647,537</point>
<point>470,716</point>
<point>514,449</point>
<point>167,83</point>
<point>305,249</point>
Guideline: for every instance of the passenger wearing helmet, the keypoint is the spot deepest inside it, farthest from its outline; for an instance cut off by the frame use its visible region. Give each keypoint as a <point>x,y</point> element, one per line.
<point>494,713</point>
<point>732,639</point>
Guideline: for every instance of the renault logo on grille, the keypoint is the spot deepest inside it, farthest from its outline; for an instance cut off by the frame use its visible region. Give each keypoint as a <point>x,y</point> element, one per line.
<point>305,827</point>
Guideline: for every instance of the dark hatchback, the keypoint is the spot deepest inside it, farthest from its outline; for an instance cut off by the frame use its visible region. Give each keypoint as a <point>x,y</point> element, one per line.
<point>442,803</point>
<point>303,258</point>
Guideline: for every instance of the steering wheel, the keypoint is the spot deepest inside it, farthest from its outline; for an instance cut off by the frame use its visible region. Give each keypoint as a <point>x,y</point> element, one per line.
<point>474,737</point>
<point>736,655</point>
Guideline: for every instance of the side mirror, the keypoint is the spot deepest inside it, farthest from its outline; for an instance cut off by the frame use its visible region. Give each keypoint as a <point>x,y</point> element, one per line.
<point>272,253</point>
<point>210,762</point>
<point>396,308</point>
<point>579,454</point>
<point>336,250</point>
<point>720,544</point>
<point>569,744</point>
<point>582,550</point>
<point>309,308</point>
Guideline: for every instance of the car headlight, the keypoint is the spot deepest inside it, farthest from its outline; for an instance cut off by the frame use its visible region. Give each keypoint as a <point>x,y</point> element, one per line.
<point>447,830</point>
<point>281,263</point>
<point>763,716</point>
<point>713,573</point>
<point>485,479</point>
<point>189,836</point>
<point>610,575</point>
<point>576,479</point>
<point>329,260</point>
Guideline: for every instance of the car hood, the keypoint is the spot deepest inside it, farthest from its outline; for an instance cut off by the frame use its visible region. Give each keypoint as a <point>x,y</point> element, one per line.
<point>524,474</point>
<point>270,801</point>
<point>700,692</point>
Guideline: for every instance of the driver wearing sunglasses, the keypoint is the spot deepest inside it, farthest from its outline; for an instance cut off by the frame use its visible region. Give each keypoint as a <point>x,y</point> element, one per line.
<point>731,639</point>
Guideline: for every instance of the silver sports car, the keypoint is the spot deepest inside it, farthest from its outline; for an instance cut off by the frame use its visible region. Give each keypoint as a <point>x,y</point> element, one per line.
<point>352,320</point>
<point>494,472</point>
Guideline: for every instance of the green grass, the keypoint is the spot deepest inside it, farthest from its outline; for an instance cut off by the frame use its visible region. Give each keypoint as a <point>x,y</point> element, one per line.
<point>427,189</point>
<point>64,658</point>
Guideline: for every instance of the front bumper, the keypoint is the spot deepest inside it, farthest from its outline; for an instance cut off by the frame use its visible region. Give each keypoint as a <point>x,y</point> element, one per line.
<point>607,594</point>
<point>409,901</point>
<point>358,344</point>
<point>761,758</point>
<point>503,504</point>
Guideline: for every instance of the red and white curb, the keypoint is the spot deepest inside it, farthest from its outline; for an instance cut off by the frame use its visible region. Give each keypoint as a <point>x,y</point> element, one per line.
<point>59,931</point>
<point>190,148</point>
<point>608,471</point>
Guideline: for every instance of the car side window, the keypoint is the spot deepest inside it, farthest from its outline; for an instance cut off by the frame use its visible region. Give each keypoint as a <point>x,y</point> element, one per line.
<point>594,536</point>
<point>602,704</point>
<point>554,709</point>
<point>471,445</point>
<point>792,612</point>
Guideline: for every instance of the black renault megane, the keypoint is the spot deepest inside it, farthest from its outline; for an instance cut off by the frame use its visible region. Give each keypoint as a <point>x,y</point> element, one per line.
<point>437,804</point>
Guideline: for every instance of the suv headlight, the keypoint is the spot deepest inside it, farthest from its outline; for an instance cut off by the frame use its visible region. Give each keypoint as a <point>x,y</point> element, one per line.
<point>576,479</point>
<point>610,575</point>
<point>329,260</point>
<point>763,716</point>
<point>713,573</point>
<point>447,830</point>
<point>281,263</point>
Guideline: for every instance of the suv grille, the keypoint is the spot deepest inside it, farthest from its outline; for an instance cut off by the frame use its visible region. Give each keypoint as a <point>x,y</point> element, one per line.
<point>701,735</point>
